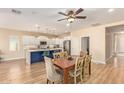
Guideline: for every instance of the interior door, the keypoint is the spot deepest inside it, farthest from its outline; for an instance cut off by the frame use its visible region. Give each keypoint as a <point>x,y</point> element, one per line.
<point>119,43</point>
<point>85,44</point>
<point>67,46</point>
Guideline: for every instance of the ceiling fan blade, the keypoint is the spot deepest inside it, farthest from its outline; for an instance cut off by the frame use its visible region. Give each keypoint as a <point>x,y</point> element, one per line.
<point>62,19</point>
<point>78,11</point>
<point>80,17</point>
<point>62,13</point>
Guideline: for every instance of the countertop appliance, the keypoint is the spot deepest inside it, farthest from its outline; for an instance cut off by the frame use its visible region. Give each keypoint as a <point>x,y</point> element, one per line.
<point>43,45</point>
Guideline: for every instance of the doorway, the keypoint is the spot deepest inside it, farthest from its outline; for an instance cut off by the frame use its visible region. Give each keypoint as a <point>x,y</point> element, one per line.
<point>85,44</point>
<point>114,41</point>
<point>118,44</point>
<point>67,46</point>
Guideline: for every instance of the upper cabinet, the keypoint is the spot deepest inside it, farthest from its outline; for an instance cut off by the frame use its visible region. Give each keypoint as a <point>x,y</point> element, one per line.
<point>30,40</point>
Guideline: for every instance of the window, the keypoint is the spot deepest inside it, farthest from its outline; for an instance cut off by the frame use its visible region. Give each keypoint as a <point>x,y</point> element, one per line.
<point>13,43</point>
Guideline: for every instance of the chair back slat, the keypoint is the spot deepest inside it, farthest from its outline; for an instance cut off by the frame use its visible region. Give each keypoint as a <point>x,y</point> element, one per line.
<point>87,60</point>
<point>57,55</point>
<point>79,64</point>
<point>60,55</point>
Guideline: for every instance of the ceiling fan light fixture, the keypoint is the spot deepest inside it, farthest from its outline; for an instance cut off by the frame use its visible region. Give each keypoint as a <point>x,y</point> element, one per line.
<point>71,15</point>
<point>111,10</point>
<point>70,20</point>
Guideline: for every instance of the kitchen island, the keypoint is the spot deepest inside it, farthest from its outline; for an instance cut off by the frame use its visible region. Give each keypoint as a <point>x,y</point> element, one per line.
<point>37,55</point>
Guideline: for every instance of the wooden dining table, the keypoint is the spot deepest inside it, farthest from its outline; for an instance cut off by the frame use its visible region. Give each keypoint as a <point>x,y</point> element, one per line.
<point>66,65</point>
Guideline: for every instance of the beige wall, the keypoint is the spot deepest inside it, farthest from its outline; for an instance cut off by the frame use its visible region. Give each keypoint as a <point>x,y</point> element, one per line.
<point>4,43</point>
<point>96,34</point>
<point>97,41</point>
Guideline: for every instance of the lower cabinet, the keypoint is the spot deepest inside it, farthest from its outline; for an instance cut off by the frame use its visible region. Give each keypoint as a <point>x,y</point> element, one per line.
<point>39,55</point>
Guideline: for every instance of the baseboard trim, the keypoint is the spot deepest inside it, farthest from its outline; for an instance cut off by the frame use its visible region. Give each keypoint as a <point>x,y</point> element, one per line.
<point>10,59</point>
<point>98,62</point>
<point>120,54</point>
<point>109,58</point>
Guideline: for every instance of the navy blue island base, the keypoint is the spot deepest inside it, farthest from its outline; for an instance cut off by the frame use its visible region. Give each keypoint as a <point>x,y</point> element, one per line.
<point>38,56</point>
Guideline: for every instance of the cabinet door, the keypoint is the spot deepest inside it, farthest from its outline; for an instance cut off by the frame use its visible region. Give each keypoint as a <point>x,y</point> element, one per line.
<point>37,57</point>
<point>30,40</point>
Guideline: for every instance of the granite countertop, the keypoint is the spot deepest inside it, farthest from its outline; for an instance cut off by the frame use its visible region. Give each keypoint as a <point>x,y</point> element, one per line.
<point>34,50</point>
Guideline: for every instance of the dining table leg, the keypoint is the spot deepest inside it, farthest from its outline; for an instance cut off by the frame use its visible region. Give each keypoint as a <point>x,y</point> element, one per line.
<point>90,69</point>
<point>65,81</point>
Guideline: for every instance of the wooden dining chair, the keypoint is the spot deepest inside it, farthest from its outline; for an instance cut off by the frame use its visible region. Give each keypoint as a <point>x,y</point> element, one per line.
<point>77,70</point>
<point>83,54</point>
<point>57,55</point>
<point>52,74</point>
<point>87,66</point>
<point>64,54</point>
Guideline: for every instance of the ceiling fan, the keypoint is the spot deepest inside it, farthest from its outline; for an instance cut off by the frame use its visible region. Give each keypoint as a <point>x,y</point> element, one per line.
<point>72,15</point>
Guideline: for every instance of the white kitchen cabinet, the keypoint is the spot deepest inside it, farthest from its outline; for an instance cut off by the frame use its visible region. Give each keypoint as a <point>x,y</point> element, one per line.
<point>30,40</point>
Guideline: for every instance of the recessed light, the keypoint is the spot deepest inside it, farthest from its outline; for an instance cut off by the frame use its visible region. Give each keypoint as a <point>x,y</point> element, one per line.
<point>111,10</point>
<point>122,32</point>
<point>36,25</point>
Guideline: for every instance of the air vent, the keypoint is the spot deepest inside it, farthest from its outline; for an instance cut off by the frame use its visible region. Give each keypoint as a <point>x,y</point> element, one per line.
<point>96,24</point>
<point>16,11</point>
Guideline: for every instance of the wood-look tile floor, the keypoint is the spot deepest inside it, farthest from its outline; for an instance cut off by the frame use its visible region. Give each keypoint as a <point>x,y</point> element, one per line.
<point>18,72</point>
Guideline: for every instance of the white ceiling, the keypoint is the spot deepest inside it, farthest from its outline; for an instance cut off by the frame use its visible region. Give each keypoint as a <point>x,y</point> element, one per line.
<point>46,18</point>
